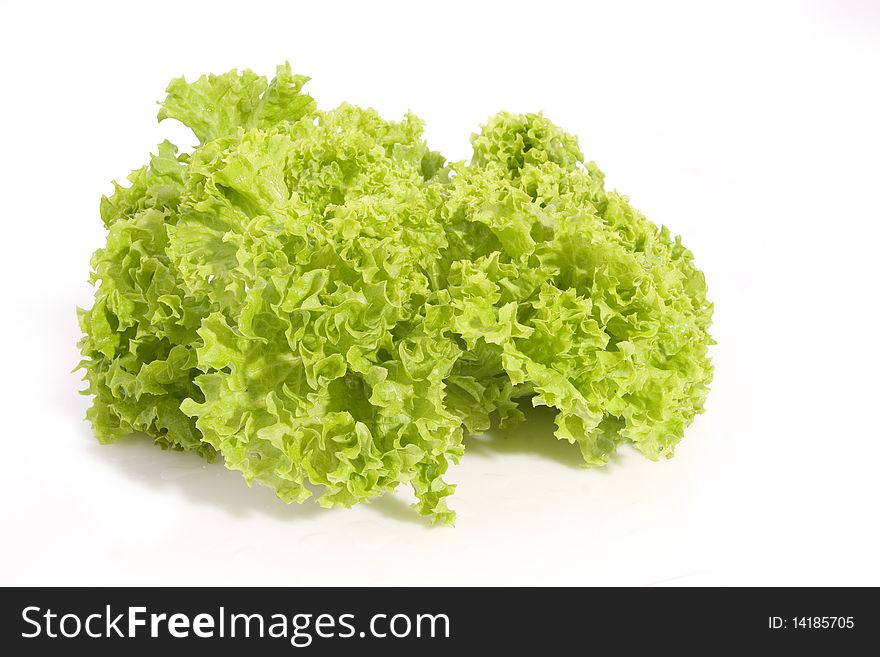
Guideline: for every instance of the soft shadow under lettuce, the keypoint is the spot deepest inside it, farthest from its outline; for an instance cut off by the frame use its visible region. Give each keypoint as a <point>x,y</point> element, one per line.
<point>534,436</point>
<point>211,484</point>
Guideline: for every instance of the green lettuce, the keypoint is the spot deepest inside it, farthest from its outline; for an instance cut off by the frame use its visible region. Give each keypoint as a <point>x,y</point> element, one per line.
<point>330,306</point>
<point>576,297</point>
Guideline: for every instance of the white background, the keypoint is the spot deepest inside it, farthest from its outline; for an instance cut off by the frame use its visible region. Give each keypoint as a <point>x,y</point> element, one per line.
<point>752,129</point>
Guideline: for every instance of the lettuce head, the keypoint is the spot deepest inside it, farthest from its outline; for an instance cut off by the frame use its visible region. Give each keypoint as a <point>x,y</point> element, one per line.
<point>327,305</point>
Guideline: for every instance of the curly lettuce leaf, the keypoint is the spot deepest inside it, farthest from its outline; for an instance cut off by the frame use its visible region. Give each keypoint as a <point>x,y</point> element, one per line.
<point>216,105</point>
